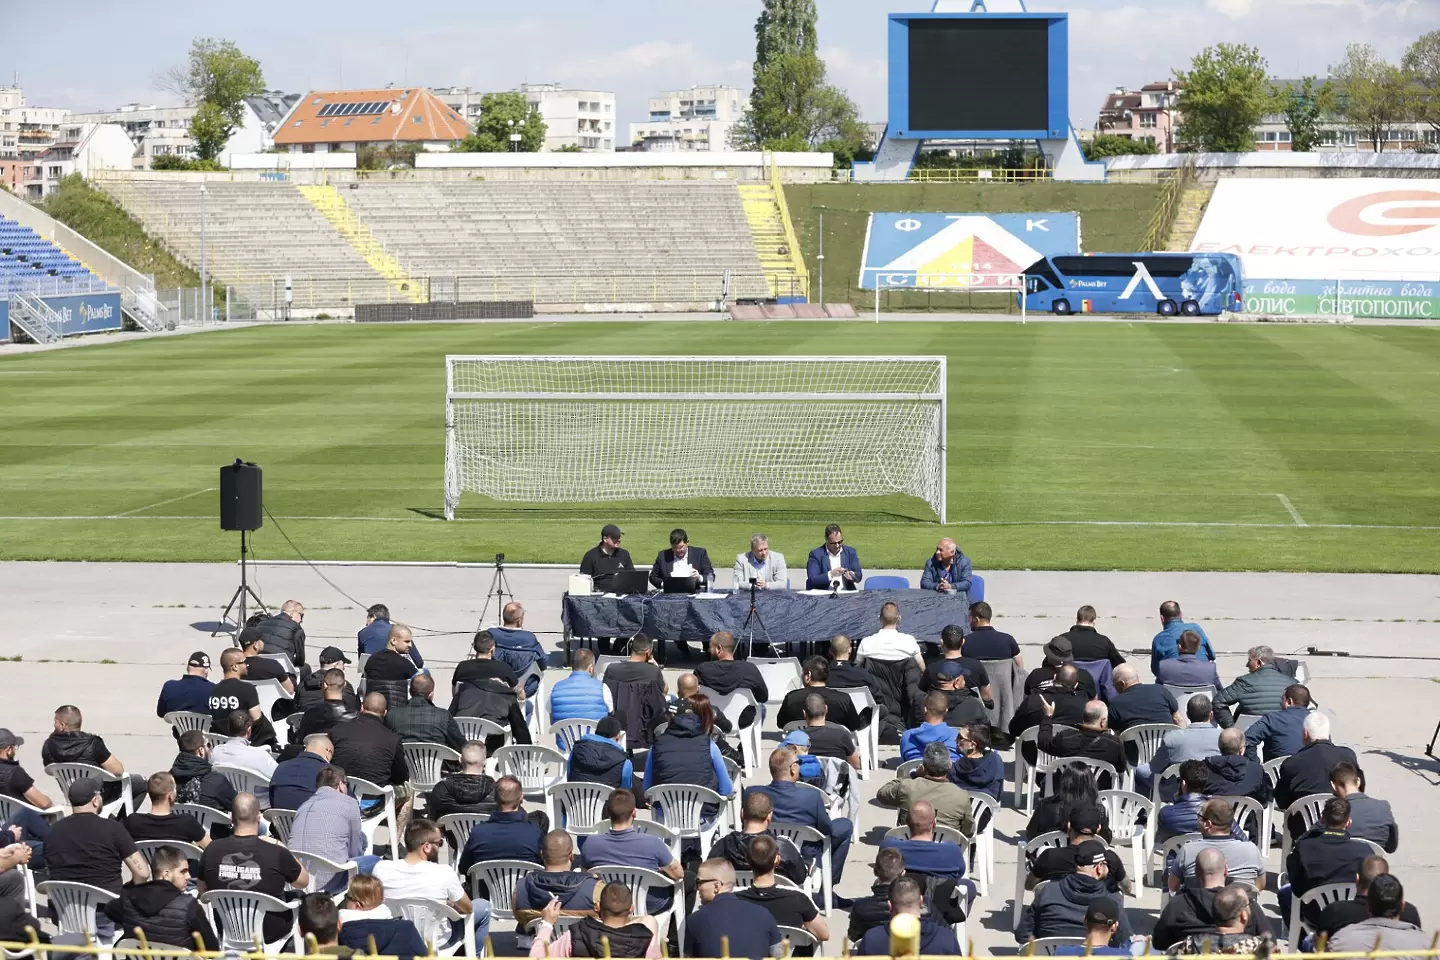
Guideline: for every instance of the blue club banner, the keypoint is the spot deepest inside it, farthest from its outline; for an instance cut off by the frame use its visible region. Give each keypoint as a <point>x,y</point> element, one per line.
<point>87,312</point>
<point>960,250</point>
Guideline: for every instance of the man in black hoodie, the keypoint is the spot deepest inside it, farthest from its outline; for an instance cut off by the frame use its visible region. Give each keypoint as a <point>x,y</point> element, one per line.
<point>1232,774</point>
<point>161,909</point>
<point>874,910</point>
<point>756,813</point>
<point>195,780</point>
<point>578,893</point>
<point>1059,910</point>
<point>1191,909</point>
<point>471,790</point>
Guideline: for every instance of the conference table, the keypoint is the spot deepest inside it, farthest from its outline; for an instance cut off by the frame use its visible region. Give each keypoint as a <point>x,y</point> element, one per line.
<point>785,616</point>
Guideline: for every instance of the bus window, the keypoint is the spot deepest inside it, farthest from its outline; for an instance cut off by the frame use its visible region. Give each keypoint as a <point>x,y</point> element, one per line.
<point>1035,285</point>
<point>1041,269</point>
<point>1172,267</point>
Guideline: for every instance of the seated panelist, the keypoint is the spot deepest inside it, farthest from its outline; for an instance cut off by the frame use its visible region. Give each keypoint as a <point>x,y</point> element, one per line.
<point>947,571</point>
<point>682,560</point>
<point>834,564</point>
<point>761,564</point>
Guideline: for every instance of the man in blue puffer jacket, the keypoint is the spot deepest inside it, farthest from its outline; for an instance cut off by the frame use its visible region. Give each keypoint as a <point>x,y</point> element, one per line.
<point>580,695</point>
<point>600,757</point>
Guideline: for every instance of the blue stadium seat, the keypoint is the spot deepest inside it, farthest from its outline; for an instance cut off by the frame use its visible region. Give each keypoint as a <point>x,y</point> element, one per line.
<point>887,583</point>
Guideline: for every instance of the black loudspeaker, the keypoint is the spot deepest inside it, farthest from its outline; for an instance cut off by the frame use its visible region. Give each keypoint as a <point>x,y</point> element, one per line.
<point>241,505</point>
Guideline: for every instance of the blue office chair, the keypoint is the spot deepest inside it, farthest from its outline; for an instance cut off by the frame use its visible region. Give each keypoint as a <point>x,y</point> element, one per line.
<point>887,583</point>
<point>977,588</point>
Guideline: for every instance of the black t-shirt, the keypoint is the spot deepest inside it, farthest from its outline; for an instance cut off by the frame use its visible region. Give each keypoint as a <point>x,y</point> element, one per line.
<point>19,781</point>
<point>472,671</point>
<point>263,668</point>
<point>174,826</point>
<point>250,863</point>
<point>831,740</point>
<point>790,908</point>
<point>976,676</point>
<point>230,695</point>
<point>84,848</point>
<point>633,671</point>
<point>987,643</point>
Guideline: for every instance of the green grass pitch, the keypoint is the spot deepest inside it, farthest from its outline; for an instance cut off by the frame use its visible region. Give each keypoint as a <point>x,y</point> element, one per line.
<point>1100,445</point>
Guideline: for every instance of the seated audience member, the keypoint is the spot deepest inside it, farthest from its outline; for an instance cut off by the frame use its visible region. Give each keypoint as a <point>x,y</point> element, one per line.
<point>1216,825</point>
<point>365,919</point>
<point>375,635</point>
<point>1342,913</point>
<point>888,643</point>
<point>933,785</point>
<point>577,892</point>
<point>328,825</point>
<point>987,644</point>
<point>1232,774</point>
<point>963,705</point>
<point>1064,702</point>
<point>907,895</point>
<point>834,565</point>
<point>294,780</point>
<point>1135,703</point>
<point>763,566</point>
<point>641,667</point>
<point>1086,823</point>
<point>1166,645</point>
<point>1308,770</point>
<point>162,822</point>
<point>613,933</point>
<point>843,673</point>
<point>1326,854</point>
<point>1231,911</point>
<point>1102,921</point>
<point>687,695</point>
<point>1091,739</point>
<point>940,859</point>
<point>1192,909</point>
<point>334,706</point>
<point>756,814</point>
<point>1058,655</point>
<point>87,848</point>
<point>519,647</point>
<point>839,707</point>
<point>685,753</point>
<point>483,666</point>
<point>724,674</point>
<point>70,744</point>
<point>874,911</point>
<point>1074,789</point>
<point>1059,909</point>
<point>947,570</point>
<point>811,771</point>
<point>1087,643</point>
<point>790,908</point>
<point>15,782</point>
<point>1183,815</point>
<point>257,668</point>
<point>1254,694</point>
<point>421,876</point>
<point>284,633</point>
<point>418,720</point>
<point>240,752</point>
<point>161,909</point>
<point>979,769</point>
<point>1188,669</point>
<point>894,659</point>
<point>580,696</point>
<point>624,846</point>
<point>723,921</point>
<point>807,807</point>
<point>233,693</point>
<point>1386,928</point>
<point>310,690</point>
<point>368,749</point>
<point>601,757</point>
<point>1370,817</point>
<point>195,779</point>
<point>1198,741</point>
<point>191,692</point>
<point>246,861</point>
<point>1281,732</point>
<point>509,834</point>
<point>472,790</point>
<point>934,729</point>
<point>828,739</point>
<point>388,672</point>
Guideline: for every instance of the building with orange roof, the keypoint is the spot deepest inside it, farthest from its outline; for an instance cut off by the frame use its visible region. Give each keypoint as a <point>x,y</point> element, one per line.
<point>334,120</point>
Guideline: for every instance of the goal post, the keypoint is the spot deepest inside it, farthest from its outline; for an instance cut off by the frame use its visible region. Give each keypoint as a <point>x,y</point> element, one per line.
<point>551,429</point>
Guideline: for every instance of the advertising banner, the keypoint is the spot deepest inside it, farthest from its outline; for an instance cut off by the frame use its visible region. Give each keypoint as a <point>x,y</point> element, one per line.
<point>960,250</point>
<point>1398,299</point>
<point>4,320</point>
<point>87,312</point>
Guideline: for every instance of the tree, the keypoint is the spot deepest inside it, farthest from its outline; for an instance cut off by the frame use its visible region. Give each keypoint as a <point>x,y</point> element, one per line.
<point>1112,145</point>
<point>785,26</point>
<point>216,80</point>
<point>501,114</point>
<point>1303,107</point>
<point>1374,94</point>
<point>1422,67</point>
<point>1223,95</point>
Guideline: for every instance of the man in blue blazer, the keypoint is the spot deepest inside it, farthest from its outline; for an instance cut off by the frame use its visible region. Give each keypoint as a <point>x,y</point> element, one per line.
<point>833,561</point>
<point>680,550</point>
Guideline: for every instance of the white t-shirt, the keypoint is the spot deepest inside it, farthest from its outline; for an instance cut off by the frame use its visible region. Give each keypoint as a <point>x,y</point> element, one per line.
<point>419,881</point>
<point>887,645</point>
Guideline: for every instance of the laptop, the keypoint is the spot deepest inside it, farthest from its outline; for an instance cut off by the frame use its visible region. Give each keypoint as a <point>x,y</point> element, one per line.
<point>628,582</point>
<point>682,585</point>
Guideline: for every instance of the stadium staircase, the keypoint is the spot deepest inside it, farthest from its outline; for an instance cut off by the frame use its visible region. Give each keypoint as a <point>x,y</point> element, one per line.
<point>773,241</point>
<point>327,200</point>
<point>33,316</point>
<point>1189,214</point>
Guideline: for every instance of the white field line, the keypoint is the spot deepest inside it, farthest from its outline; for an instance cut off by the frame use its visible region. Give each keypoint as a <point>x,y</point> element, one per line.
<point>1290,508</point>
<point>131,513</point>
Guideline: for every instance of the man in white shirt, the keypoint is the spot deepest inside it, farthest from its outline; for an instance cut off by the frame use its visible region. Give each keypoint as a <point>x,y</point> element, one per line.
<point>889,643</point>
<point>420,876</point>
<point>895,662</point>
<point>237,752</point>
<point>761,564</point>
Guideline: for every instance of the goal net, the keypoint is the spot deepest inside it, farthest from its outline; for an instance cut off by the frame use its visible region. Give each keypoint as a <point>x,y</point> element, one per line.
<point>589,429</point>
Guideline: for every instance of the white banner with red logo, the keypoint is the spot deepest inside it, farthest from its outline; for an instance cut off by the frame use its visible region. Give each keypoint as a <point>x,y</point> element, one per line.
<point>1309,229</point>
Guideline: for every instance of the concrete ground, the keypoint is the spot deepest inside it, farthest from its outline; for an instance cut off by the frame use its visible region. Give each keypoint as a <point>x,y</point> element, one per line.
<point>106,636</point>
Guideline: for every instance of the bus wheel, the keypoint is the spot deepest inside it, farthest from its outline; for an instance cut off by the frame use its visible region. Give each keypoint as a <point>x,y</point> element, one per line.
<point>1190,308</point>
<point>1061,308</point>
<point>1167,308</point>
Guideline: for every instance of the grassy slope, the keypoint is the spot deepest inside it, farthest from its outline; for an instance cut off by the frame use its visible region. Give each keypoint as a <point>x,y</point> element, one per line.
<point>101,221</point>
<point>1112,217</point>
<point>1193,424</point>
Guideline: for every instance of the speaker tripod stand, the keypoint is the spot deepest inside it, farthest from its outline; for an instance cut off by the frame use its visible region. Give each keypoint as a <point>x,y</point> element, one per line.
<point>242,592</point>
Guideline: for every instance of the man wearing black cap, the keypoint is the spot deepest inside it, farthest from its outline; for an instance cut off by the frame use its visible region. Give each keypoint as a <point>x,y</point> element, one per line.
<point>600,564</point>
<point>1086,823</point>
<point>1058,652</point>
<point>86,848</point>
<point>1059,910</point>
<point>310,691</point>
<point>252,644</point>
<point>1102,921</point>
<point>191,692</point>
<point>15,782</point>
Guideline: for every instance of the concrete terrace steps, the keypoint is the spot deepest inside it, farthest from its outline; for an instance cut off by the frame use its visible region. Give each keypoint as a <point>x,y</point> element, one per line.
<point>1187,219</point>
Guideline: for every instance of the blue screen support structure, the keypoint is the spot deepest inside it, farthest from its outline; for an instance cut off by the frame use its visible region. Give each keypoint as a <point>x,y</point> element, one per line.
<point>923,47</point>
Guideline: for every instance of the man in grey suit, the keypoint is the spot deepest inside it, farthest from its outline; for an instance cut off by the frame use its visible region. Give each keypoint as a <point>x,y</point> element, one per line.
<point>1198,741</point>
<point>761,564</point>
<point>1370,817</point>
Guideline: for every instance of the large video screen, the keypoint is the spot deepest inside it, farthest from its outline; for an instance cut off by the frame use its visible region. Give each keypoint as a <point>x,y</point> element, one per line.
<point>978,74</point>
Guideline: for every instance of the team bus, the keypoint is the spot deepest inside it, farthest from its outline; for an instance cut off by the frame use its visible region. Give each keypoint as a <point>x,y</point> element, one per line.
<point>1191,284</point>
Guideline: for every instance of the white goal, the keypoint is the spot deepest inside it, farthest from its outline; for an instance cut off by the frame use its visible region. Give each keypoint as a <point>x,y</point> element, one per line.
<point>589,429</point>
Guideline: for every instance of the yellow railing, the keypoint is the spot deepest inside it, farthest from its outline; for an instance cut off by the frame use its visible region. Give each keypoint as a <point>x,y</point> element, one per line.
<point>1162,221</point>
<point>791,240</point>
<point>980,175</point>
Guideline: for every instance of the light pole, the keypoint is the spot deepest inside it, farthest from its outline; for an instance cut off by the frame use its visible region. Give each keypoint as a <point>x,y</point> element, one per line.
<point>516,135</point>
<point>202,249</point>
<point>821,256</point>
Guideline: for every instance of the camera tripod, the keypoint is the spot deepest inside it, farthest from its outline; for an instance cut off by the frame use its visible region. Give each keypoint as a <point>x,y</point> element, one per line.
<point>753,617</point>
<point>1430,750</point>
<point>498,592</point>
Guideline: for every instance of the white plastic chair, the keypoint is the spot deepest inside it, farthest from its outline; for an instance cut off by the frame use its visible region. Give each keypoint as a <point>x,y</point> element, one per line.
<point>457,828</point>
<point>499,878</point>
<point>424,761</point>
<point>733,706</point>
<point>603,662</point>
<point>315,864</point>
<point>432,919</point>
<point>1045,841</point>
<point>640,881</point>
<point>732,770</point>
<point>1123,809</point>
<point>801,938</point>
<point>1147,738</point>
<point>75,904</point>
<point>1046,946</point>
<point>365,790</point>
<point>1097,768</point>
<point>903,771</point>
<point>285,662</point>
<point>10,807</point>
<point>207,817</point>
<point>1324,895</point>
<point>1246,810</point>
<point>1157,777</point>
<point>868,736</point>
<point>67,773</point>
<point>1272,769</point>
<point>566,732</point>
<point>536,767</point>
<point>821,873</point>
<point>213,740</point>
<point>268,691</point>
<point>245,781</point>
<point>1309,809</point>
<point>147,849</point>
<point>185,720</point>
<point>577,807</point>
<point>537,707</point>
<point>983,811</point>
<point>1183,694</point>
<point>781,675</point>
<point>1026,774</point>
<point>478,728</point>
<point>280,823</point>
<point>1172,846</point>
<point>680,807</point>
<point>943,834</point>
<point>242,919</point>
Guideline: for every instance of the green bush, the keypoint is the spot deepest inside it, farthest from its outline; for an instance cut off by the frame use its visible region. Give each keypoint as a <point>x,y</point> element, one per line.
<point>173,162</point>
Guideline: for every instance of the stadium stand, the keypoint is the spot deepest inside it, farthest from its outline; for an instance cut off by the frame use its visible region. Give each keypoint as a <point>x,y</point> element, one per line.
<point>26,257</point>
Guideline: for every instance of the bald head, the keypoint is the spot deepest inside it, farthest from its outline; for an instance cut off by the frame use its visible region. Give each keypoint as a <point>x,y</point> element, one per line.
<point>556,850</point>
<point>422,686</point>
<point>1097,715</point>
<point>687,686</point>
<point>1232,742</point>
<point>245,810</point>
<point>1068,676</point>
<point>921,819</point>
<point>375,704</point>
<point>472,757</point>
<point>1125,676</point>
<point>400,638</point>
<point>321,745</point>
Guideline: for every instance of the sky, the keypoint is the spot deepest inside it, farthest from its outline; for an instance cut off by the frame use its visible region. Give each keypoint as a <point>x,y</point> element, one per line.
<point>109,52</point>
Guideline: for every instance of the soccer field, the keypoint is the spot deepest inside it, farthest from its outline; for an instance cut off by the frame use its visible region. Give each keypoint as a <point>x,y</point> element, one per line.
<point>1097,445</point>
